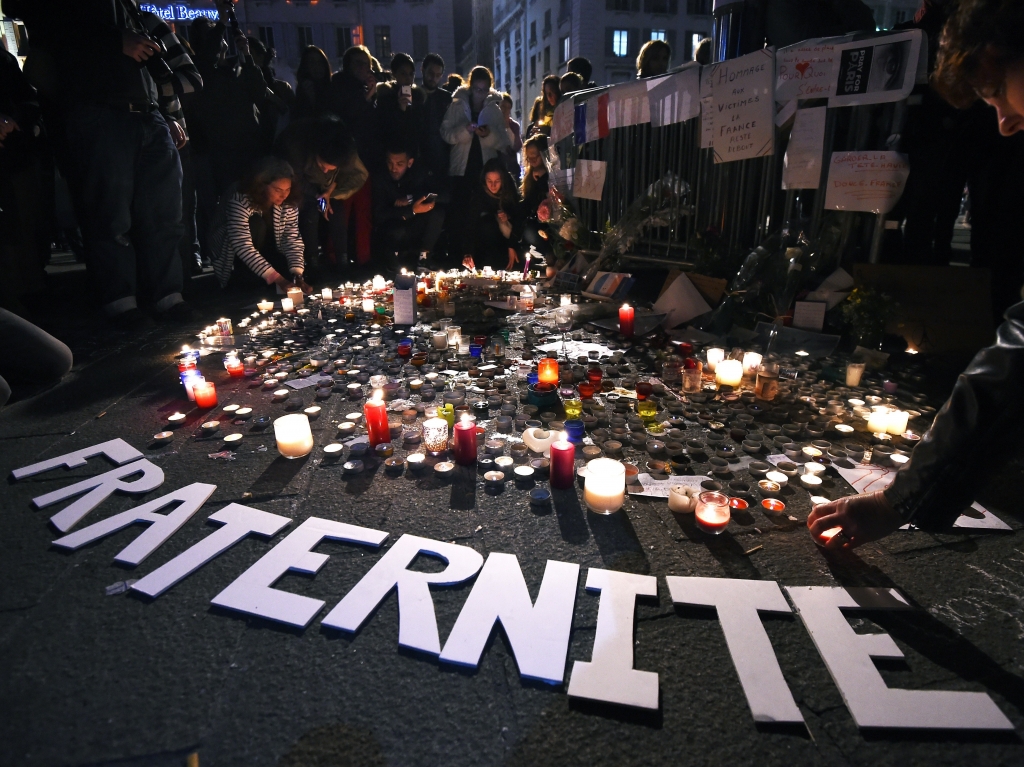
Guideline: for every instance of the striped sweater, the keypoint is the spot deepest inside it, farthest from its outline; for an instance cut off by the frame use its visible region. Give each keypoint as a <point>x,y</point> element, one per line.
<point>186,76</point>
<point>232,239</point>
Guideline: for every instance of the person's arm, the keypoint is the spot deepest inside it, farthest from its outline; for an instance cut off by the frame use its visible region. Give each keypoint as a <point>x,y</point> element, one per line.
<point>239,238</point>
<point>186,76</point>
<point>349,179</point>
<point>385,211</point>
<point>453,127</point>
<point>290,241</point>
<point>497,140</point>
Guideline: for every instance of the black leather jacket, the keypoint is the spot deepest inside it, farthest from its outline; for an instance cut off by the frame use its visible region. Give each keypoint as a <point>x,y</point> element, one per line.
<point>976,423</point>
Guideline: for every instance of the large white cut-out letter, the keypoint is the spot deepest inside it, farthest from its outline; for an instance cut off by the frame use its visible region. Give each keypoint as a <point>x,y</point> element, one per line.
<point>117,450</point>
<point>97,489</point>
<point>538,633</point>
<point>738,603</point>
<point>848,655</point>
<point>238,520</point>
<point>162,526</point>
<point>251,592</point>
<point>610,676</point>
<point>417,625</point>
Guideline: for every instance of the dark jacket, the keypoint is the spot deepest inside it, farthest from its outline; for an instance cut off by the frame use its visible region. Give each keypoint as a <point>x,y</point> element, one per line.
<point>400,128</point>
<point>224,116</point>
<point>434,150</point>
<point>416,183</point>
<point>296,146</point>
<point>18,99</point>
<point>483,238</point>
<point>347,100</point>
<point>977,421</point>
<point>536,194</point>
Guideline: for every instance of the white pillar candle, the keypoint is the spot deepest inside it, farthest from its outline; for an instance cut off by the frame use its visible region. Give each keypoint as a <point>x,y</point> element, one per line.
<point>368,305</point>
<point>326,294</point>
<point>897,423</point>
<point>287,305</point>
<point>605,489</point>
<point>435,435</point>
<point>294,437</point>
<point>379,283</point>
<point>265,306</point>
<point>854,371</point>
<point>878,421</point>
<point>440,340</point>
<point>729,373</point>
<point>715,356</point>
<point>295,294</point>
<point>751,362</point>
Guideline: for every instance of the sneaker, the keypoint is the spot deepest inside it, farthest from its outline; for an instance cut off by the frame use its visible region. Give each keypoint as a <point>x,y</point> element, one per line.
<point>180,312</point>
<point>133,319</point>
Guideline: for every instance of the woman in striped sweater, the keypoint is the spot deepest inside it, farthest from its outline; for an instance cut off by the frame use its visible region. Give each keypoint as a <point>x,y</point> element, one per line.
<point>260,228</point>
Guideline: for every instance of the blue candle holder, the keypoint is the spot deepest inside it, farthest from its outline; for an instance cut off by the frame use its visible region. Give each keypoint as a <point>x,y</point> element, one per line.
<point>574,429</point>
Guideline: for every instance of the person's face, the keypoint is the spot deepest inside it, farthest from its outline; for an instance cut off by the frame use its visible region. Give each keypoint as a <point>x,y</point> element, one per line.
<point>432,75</point>
<point>478,90</point>
<point>325,166</point>
<point>493,182</point>
<point>405,75</point>
<point>398,164</point>
<point>359,67</point>
<point>317,68</point>
<point>1009,100</point>
<point>533,158</point>
<point>278,191</point>
<point>655,62</point>
<point>551,95</point>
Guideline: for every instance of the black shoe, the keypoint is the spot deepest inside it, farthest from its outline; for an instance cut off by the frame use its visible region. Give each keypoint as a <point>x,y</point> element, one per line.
<point>133,319</point>
<point>180,312</point>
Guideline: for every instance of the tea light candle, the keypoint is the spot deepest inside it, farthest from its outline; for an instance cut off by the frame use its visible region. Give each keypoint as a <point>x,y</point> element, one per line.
<point>712,512</point>
<point>812,467</point>
<point>605,488</point>
<point>176,419</point>
<point>293,435</point>
<point>163,437</point>
<point>810,453</point>
<point>416,461</point>
<point>843,428</point>
<point>729,373</point>
<point>287,305</point>
<point>280,395</point>
<point>265,306</point>
<point>810,481</point>
<point>715,355</point>
<point>494,478</point>
<point>333,451</point>
<point>464,442</point>
<point>777,477</point>
<point>376,414</point>
<point>563,455</point>
<point>899,460</point>
<point>547,371</point>
<point>210,427</point>
<point>230,440</point>
<point>751,362</point>
<point>206,394</point>
<point>627,315</point>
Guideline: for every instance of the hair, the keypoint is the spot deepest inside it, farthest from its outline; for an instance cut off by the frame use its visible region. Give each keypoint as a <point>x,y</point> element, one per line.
<point>540,142</point>
<point>355,50</point>
<point>375,65</point>
<point>645,51</point>
<point>399,147</point>
<point>480,73</point>
<point>311,52</point>
<point>454,81</point>
<point>507,97</point>
<point>332,141</point>
<point>540,104</point>
<point>569,82</point>
<point>702,53</point>
<point>431,59</point>
<point>582,67</point>
<point>265,172</point>
<point>979,41</point>
<point>402,59</point>
<point>508,195</point>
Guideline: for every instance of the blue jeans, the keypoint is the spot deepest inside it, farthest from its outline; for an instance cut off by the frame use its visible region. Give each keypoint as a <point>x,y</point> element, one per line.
<point>126,169</point>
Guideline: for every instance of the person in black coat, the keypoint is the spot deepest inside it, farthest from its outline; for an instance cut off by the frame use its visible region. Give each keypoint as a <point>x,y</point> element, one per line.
<point>494,224</point>
<point>407,219</point>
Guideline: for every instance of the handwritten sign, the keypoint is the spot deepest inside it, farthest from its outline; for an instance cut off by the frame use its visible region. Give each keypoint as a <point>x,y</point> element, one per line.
<point>744,110</point>
<point>562,122</point>
<point>588,180</point>
<point>870,182</point>
<point>628,105</point>
<point>806,70</point>
<point>801,167</point>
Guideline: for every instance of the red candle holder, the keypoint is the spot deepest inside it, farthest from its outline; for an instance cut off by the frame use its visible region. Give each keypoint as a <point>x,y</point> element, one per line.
<point>376,414</point>
<point>644,389</point>
<point>586,390</point>
<point>626,317</point>
<point>594,375</point>
<point>547,371</point>
<point>205,393</point>
<point>464,442</point>
<point>236,370</point>
<point>563,457</point>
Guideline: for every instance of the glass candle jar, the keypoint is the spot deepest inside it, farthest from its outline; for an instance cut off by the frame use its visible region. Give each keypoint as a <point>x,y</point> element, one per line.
<point>712,512</point>
<point>605,488</point>
<point>766,385</point>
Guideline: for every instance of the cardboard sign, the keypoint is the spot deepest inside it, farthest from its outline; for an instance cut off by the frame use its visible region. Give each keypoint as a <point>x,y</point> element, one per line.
<point>876,70</point>
<point>744,109</point>
<point>870,182</point>
<point>801,167</point>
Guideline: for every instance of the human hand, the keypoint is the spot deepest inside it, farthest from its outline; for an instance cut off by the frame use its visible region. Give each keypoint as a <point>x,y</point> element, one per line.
<point>135,46</point>
<point>297,281</point>
<point>404,101</point>
<point>7,126</point>
<point>371,87</point>
<point>469,263</point>
<point>860,519</point>
<point>402,202</point>
<point>472,127</point>
<point>283,282</point>
<point>483,131</point>
<point>502,217</point>
<point>177,134</point>
<point>328,210</point>
<point>422,205</point>
<point>241,43</point>
<point>513,259</point>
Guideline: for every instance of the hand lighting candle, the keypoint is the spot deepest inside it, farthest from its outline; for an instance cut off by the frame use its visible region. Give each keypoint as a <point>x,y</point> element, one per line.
<point>626,317</point>
<point>293,435</point>
<point>563,456</point>
<point>376,414</point>
<point>464,442</point>
<point>605,489</point>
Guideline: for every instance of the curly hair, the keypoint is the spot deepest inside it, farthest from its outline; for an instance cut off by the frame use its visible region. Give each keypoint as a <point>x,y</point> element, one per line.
<point>979,41</point>
<point>264,173</point>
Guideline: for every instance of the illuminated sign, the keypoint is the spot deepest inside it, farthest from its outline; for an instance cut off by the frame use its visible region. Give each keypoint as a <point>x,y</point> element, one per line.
<point>180,12</point>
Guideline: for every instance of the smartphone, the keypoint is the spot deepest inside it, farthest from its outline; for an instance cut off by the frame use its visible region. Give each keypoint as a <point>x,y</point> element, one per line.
<point>407,90</point>
<point>322,203</point>
<point>430,197</point>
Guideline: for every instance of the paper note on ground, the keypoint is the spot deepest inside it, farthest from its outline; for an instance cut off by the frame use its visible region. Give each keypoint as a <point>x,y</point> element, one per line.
<point>658,488</point>
<point>870,182</point>
<point>801,168</point>
<point>305,383</point>
<point>680,302</point>
<point>588,179</point>
<point>834,289</point>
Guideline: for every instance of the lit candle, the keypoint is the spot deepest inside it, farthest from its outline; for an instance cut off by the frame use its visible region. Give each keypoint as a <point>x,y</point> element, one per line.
<point>464,442</point>
<point>897,423</point>
<point>368,305</point>
<point>435,435</point>
<point>379,283</point>
<point>715,356</point>
<point>326,294</point>
<point>454,332</point>
<point>295,294</point>
<point>751,362</point>
<point>293,435</point>
<point>853,373</point>
<point>287,305</point>
<point>626,316</point>
<point>440,340</point>
<point>265,306</point>
<point>547,371</point>
<point>563,456</point>
<point>729,373</point>
<point>376,415</point>
<point>712,512</point>
<point>605,489</point>
<point>189,379</point>
<point>235,367</point>
<point>878,421</point>
<point>205,393</point>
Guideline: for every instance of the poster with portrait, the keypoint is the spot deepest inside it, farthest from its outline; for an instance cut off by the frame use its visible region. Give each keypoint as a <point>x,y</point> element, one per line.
<point>876,70</point>
<point>807,70</point>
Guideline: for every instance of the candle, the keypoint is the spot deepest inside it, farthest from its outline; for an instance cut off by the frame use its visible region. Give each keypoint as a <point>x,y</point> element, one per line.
<point>376,415</point>
<point>235,367</point>
<point>379,283</point>
<point>897,422</point>
<point>287,305</point>
<point>626,316</point>
<point>439,340</point>
<point>464,442</point>
<point>326,294</point>
<point>547,371</point>
<point>605,489</point>
<point>435,435</point>
<point>729,373</point>
<point>265,306</point>
<point>205,393</point>
<point>878,421</point>
<point>712,512</point>
<point>853,373</point>
<point>293,435</point>
<point>715,356</point>
<point>295,294</point>
<point>751,362</point>
<point>563,456</point>
<point>189,379</point>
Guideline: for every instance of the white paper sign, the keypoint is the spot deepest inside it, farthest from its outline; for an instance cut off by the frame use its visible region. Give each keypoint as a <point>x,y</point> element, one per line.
<point>628,105</point>
<point>680,302</point>
<point>870,182</point>
<point>744,109</point>
<point>707,109</point>
<point>588,179</point>
<point>562,122</point>
<point>809,315</point>
<point>877,70</point>
<point>658,488</point>
<point>806,70</point>
<point>675,98</point>
<point>801,167</point>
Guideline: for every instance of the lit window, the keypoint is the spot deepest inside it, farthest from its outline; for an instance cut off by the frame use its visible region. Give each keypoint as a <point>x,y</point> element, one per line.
<point>659,34</point>
<point>620,42</point>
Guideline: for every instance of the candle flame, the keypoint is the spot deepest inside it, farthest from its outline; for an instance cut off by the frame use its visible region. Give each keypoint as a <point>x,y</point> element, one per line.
<point>802,353</point>
<point>378,395</point>
<point>563,437</point>
<point>464,418</point>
